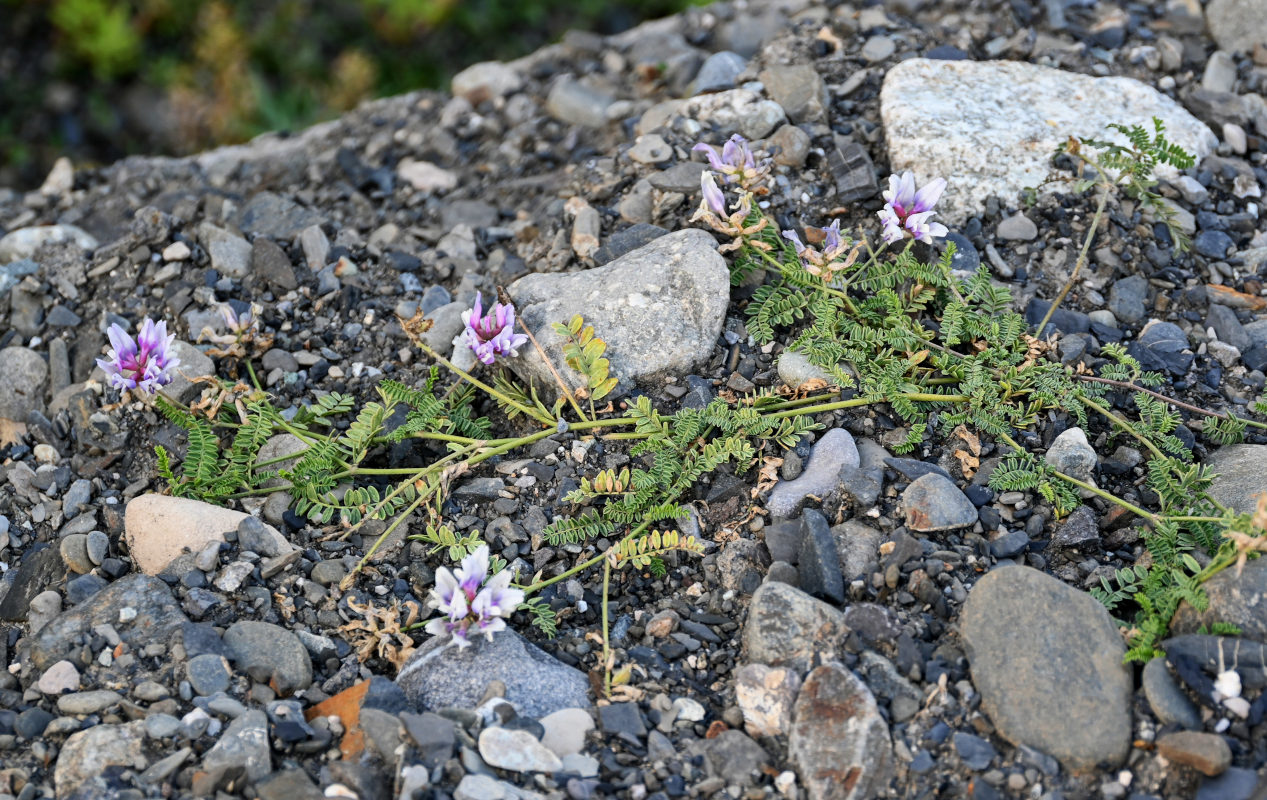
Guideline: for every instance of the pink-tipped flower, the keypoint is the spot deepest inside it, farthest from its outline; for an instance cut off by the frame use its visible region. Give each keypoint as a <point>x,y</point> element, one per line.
<point>829,259</point>
<point>736,162</point>
<point>714,199</point>
<point>493,335</point>
<point>466,607</point>
<point>144,364</point>
<point>908,212</point>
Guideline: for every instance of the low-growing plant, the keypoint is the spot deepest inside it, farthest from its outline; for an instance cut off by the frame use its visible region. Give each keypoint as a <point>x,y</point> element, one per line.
<point>891,325</point>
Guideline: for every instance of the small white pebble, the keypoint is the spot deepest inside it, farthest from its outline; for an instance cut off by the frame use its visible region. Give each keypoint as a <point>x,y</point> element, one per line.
<point>127,614</point>
<point>176,251</point>
<point>1228,683</point>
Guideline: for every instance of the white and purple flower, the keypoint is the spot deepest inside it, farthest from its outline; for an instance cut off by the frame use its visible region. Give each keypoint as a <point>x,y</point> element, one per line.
<point>908,212</point>
<point>829,258</point>
<point>469,609</point>
<point>736,162</point>
<point>143,364</point>
<point>493,335</point>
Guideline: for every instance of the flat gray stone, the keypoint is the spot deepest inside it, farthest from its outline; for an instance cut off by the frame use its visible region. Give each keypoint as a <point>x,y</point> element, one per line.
<point>193,364</point>
<point>839,742</point>
<point>990,127</point>
<point>719,71</point>
<point>787,627</point>
<point>799,89</point>
<point>268,652</point>
<point>1047,660</point>
<point>276,216</point>
<point>576,103</point>
<point>932,502</point>
<point>517,751</point>
<point>674,289</point>
<point>88,752</point>
<point>243,744</point>
<point>1072,454</point>
<point>1237,25</point>
<point>1167,699</point>
<point>157,619</point>
<point>833,454</point>
<point>22,376</point>
<point>438,676</point>
<point>1241,475</point>
<point>230,253</point>
<point>1236,597</point>
<point>25,242</point>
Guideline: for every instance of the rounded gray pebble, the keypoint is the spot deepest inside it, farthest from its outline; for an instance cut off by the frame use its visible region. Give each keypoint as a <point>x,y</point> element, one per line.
<point>98,547</point>
<point>74,550</point>
<point>161,726</point>
<point>208,673</point>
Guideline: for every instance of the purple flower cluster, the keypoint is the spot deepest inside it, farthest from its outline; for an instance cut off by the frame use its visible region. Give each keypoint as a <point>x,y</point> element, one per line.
<point>144,364</point>
<point>736,162</point>
<point>467,608</point>
<point>908,212</point>
<point>493,335</point>
<point>828,259</point>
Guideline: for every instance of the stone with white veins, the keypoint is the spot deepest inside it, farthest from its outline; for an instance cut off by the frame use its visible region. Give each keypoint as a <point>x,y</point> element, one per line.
<point>1047,660</point>
<point>839,742</point>
<point>990,127</point>
<point>660,309</point>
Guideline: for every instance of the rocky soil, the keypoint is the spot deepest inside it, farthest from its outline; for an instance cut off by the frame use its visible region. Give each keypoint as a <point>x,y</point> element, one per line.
<point>871,626</point>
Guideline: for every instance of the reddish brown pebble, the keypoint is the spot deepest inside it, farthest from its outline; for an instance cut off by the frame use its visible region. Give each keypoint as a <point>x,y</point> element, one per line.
<point>1205,752</point>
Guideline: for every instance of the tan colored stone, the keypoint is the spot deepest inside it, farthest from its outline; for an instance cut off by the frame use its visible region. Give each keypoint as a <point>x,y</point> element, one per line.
<point>1205,752</point>
<point>158,529</point>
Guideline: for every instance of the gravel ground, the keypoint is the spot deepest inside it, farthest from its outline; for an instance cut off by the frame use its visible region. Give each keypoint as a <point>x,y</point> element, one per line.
<point>848,633</point>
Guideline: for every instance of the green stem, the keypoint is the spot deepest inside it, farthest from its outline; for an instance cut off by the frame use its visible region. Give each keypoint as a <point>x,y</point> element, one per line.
<point>251,371</point>
<point>466,376</point>
<point>1134,509</point>
<point>1082,258</point>
<point>1124,425</point>
<point>607,666</point>
<point>917,397</point>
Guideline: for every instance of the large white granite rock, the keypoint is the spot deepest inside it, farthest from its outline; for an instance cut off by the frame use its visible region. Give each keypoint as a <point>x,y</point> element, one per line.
<point>990,127</point>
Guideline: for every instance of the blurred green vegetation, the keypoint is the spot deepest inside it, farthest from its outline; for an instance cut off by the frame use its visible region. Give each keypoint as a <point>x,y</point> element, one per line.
<point>98,79</point>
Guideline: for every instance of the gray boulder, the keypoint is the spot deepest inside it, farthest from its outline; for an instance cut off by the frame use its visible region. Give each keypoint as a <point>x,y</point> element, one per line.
<point>660,309</point>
